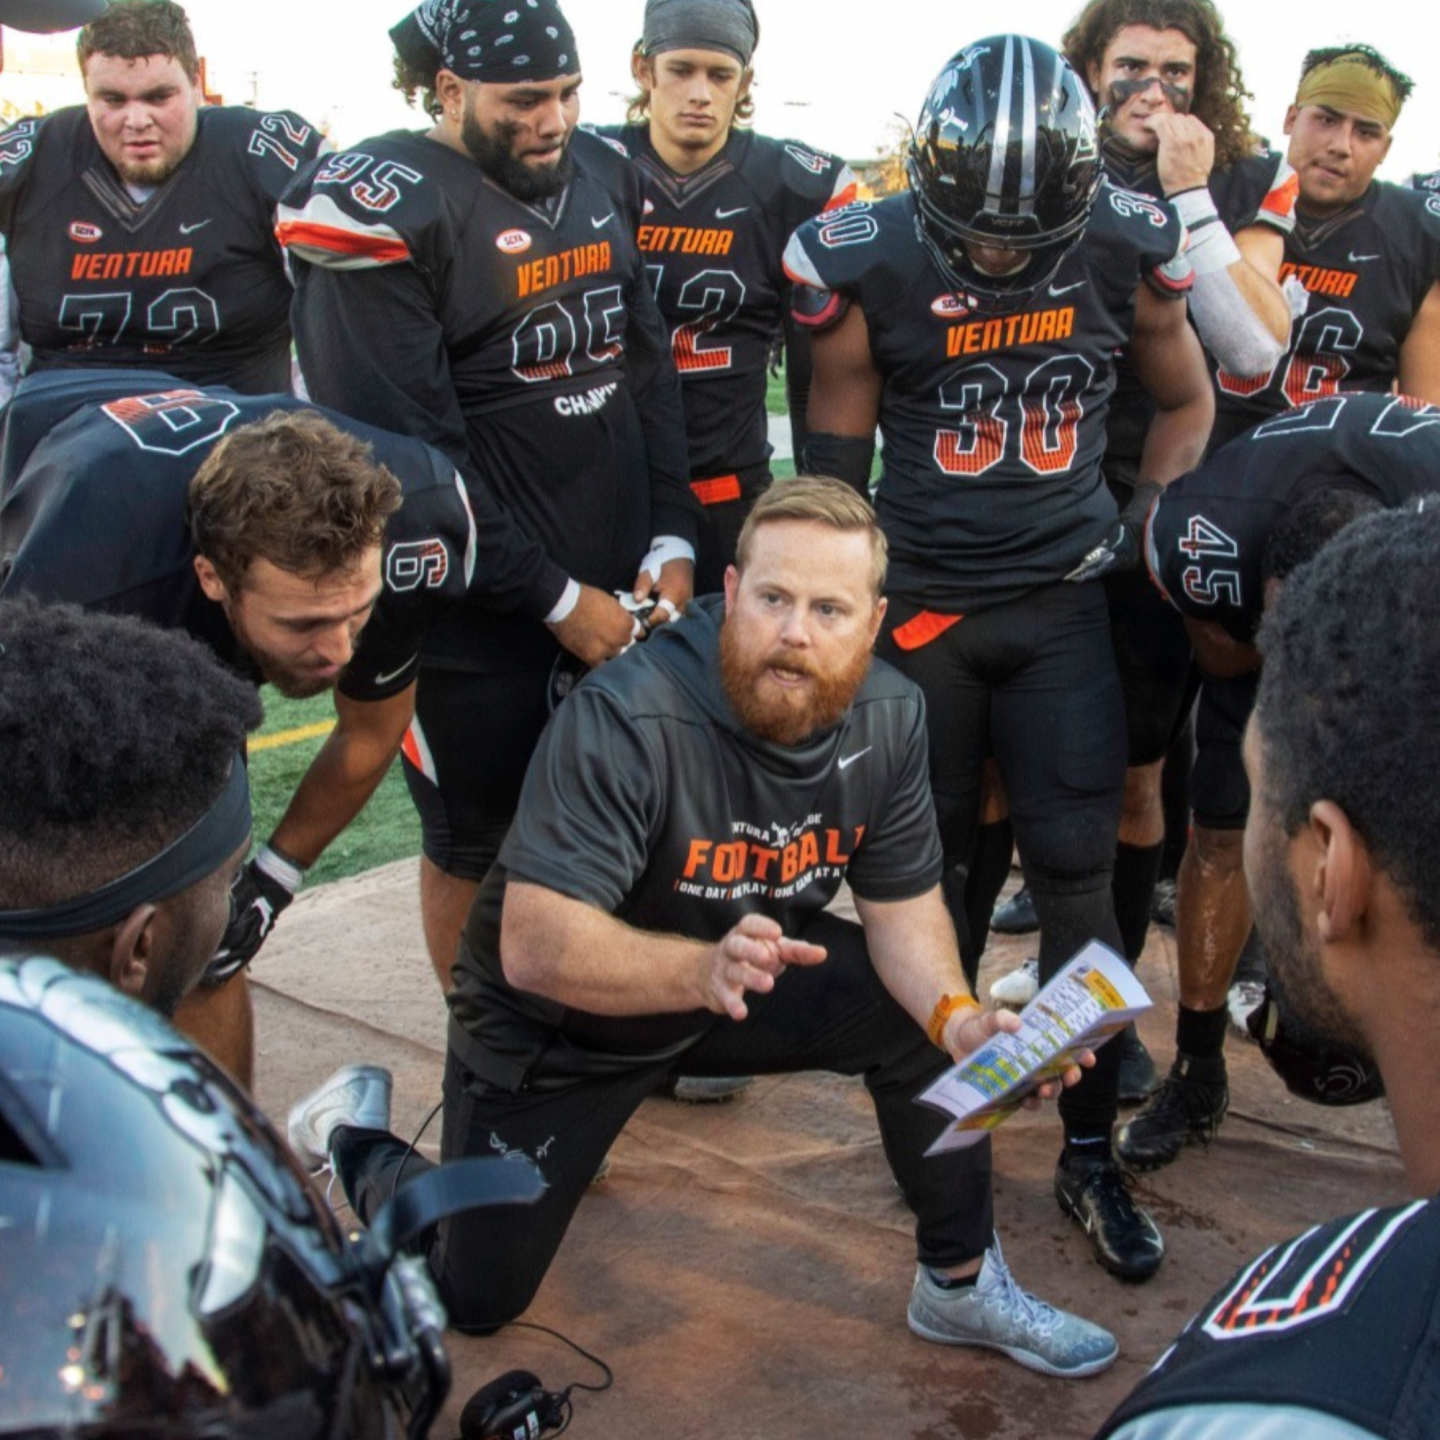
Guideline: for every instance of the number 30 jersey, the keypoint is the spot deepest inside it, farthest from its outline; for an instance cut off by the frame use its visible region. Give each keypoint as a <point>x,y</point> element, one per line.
<point>993,425</point>
<point>1206,534</point>
<point>190,281</point>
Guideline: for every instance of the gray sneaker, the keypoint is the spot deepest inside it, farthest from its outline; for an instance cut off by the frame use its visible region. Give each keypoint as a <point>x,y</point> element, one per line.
<point>996,1313</point>
<point>709,1089</point>
<point>357,1095</point>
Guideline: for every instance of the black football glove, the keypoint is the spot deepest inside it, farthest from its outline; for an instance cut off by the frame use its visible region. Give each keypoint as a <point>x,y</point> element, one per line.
<point>256,900</point>
<point>1120,549</point>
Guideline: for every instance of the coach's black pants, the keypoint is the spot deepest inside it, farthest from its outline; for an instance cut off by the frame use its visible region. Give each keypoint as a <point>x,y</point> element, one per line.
<point>564,1115</point>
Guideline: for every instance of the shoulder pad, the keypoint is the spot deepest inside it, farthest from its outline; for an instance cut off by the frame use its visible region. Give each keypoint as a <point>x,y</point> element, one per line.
<point>1148,229</point>
<point>366,207</point>
<point>610,134</point>
<point>277,143</point>
<point>17,144</point>
<point>833,250</point>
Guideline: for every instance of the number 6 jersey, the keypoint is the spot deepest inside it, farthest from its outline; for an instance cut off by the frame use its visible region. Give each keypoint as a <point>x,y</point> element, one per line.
<point>993,425</point>
<point>190,281</point>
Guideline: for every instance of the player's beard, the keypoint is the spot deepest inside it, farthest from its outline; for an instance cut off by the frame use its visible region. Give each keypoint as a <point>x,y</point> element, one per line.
<point>786,717</point>
<point>495,155</point>
<point>1312,1015</point>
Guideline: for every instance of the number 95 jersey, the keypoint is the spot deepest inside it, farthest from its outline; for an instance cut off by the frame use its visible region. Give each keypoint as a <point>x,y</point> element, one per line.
<point>993,424</point>
<point>191,281</point>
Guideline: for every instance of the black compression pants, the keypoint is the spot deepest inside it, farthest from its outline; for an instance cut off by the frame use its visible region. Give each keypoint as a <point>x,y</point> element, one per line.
<point>465,758</point>
<point>1033,681</point>
<point>566,1113</point>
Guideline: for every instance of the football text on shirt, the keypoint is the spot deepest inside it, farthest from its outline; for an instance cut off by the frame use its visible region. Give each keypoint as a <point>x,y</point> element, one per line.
<point>760,868</point>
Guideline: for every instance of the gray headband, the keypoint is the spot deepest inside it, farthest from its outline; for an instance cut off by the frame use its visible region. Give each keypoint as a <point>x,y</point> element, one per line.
<point>727,25</point>
<point>199,852</point>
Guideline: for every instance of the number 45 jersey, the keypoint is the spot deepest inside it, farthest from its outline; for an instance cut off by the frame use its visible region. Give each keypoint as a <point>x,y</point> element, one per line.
<point>1206,534</point>
<point>993,424</point>
<point>190,281</point>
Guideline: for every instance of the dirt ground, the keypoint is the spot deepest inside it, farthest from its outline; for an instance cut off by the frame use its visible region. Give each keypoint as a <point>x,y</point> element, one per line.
<point>744,1268</point>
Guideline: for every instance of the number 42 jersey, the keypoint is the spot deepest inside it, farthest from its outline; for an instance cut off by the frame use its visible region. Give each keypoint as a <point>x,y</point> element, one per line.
<point>993,424</point>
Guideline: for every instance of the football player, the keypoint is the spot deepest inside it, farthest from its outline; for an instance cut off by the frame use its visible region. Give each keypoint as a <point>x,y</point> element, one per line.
<point>1369,255</point>
<point>275,534</point>
<point>721,202</point>
<point>1368,252</point>
<point>1217,541</point>
<point>1330,1334</point>
<point>660,908</point>
<point>479,286</point>
<point>976,319</point>
<point>140,226</point>
<point>127,809</point>
<point>1165,77</point>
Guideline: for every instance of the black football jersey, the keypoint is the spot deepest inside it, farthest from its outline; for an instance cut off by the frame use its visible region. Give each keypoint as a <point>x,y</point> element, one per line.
<point>1367,271</point>
<point>1341,1323</point>
<point>1254,197</point>
<point>190,282</point>
<point>712,244</point>
<point>993,426</point>
<point>1206,533</point>
<point>94,513</point>
<point>648,799</point>
<point>1428,183</point>
<point>522,340</point>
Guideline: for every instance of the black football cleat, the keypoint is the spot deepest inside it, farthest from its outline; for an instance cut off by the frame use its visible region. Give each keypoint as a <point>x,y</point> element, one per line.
<point>1015,916</point>
<point>1139,1078</point>
<point>1189,1105</point>
<point>1096,1194</point>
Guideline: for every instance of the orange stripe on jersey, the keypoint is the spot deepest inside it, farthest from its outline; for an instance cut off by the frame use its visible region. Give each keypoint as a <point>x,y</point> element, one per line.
<point>306,235</point>
<point>1282,199</point>
<point>921,629</point>
<point>843,197</point>
<point>716,490</point>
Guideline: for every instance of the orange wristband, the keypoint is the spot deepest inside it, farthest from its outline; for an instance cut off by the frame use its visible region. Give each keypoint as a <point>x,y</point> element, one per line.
<point>945,1007</point>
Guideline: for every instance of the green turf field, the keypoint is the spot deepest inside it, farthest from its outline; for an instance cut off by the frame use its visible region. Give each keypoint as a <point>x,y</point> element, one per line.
<point>387,829</point>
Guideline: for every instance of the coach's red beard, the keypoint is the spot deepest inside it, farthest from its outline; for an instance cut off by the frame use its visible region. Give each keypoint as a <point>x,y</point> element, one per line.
<point>786,716</point>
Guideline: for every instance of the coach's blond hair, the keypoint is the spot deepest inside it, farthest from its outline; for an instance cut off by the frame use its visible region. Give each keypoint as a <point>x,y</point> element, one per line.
<point>822,500</point>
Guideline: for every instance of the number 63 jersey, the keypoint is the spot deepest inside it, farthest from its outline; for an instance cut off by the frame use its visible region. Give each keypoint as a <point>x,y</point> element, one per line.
<point>993,424</point>
<point>190,281</point>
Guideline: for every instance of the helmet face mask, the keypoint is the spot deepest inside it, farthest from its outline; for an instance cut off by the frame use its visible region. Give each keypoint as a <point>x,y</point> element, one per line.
<point>1004,156</point>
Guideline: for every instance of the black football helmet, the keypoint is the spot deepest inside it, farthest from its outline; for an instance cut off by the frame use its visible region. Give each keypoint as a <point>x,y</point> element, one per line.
<point>1004,154</point>
<point>166,1268</point>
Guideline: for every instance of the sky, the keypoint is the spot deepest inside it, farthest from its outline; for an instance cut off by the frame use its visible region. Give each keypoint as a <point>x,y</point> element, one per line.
<point>835,85</point>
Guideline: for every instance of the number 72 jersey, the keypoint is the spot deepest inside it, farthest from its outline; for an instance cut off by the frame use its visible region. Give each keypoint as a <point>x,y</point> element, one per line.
<point>190,282</point>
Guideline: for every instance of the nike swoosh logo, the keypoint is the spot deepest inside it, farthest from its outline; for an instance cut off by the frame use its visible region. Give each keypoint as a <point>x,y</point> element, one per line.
<point>191,229</point>
<point>1058,290</point>
<point>726,214</point>
<point>603,220</point>
<point>851,759</point>
<point>1361,259</point>
<point>394,674</point>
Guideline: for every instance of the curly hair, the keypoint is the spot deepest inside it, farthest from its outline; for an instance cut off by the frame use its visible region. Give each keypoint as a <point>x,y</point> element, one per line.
<point>292,489</point>
<point>1349,693</point>
<point>133,29</point>
<point>1220,90</point>
<point>637,108</point>
<point>115,737</point>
